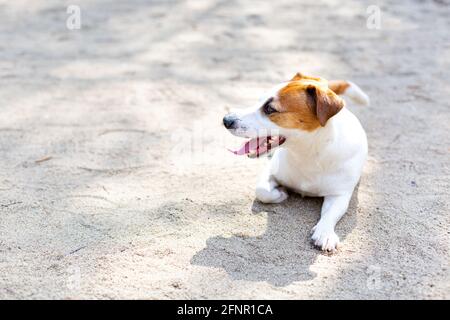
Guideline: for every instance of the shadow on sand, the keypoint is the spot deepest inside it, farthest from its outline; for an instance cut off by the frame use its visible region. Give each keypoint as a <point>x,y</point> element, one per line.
<point>283,253</point>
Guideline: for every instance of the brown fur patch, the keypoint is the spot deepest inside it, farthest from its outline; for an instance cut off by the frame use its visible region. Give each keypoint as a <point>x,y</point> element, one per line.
<point>338,86</point>
<point>296,109</point>
<point>298,76</point>
<point>326,102</point>
<point>302,108</point>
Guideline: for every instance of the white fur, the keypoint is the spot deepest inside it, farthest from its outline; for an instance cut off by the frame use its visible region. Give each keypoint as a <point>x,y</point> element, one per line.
<point>326,162</point>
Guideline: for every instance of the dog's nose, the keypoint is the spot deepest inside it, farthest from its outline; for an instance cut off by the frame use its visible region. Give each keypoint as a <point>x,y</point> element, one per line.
<point>228,121</point>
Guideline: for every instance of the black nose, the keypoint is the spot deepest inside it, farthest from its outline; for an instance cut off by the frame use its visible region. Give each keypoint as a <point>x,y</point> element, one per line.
<point>228,121</point>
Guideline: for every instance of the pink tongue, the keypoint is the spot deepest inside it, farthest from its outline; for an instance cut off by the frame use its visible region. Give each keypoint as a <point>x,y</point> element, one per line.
<point>249,146</point>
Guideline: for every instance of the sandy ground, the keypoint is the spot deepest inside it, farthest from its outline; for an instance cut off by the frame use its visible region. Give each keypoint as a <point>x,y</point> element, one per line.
<point>115,181</point>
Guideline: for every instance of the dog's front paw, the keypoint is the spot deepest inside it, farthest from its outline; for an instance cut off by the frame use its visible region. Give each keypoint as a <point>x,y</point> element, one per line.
<point>277,195</point>
<point>325,238</point>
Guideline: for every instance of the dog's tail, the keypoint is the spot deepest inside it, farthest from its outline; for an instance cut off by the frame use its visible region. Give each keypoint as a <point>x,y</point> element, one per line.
<point>349,89</point>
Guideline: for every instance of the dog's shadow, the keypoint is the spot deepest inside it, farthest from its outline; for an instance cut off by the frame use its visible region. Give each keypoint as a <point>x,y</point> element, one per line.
<point>284,253</point>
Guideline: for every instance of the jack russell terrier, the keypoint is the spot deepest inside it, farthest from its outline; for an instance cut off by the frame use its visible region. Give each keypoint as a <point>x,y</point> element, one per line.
<point>321,146</point>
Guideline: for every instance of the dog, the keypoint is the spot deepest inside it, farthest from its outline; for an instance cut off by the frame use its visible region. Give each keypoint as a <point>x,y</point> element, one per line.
<point>319,147</point>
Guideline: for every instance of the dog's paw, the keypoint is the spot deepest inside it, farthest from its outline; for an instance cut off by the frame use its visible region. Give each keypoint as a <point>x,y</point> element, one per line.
<point>283,195</point>
<point>325,238</point>
<point>277,195</point>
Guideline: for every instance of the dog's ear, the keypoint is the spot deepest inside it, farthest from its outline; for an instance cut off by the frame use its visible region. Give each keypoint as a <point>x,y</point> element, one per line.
<point>325,103</point>
<point>298,76</point>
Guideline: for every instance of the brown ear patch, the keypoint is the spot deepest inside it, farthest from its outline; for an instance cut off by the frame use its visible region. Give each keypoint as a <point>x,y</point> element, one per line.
<point>326,102</point>
<point>298,76</point>
<point>338,86</point>
<point>296,109</point>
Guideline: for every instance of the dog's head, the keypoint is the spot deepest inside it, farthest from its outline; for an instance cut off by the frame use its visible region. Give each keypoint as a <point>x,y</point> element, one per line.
<point>301,105</point>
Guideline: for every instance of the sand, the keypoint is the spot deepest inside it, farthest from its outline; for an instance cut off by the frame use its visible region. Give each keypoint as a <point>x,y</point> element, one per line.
<point>115,181</point>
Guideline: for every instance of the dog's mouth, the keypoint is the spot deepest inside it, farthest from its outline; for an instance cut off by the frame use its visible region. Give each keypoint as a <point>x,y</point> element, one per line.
<point>256,147</point>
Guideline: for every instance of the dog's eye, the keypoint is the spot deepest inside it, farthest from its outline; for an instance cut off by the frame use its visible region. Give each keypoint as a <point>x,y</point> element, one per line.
<point>267,107</point>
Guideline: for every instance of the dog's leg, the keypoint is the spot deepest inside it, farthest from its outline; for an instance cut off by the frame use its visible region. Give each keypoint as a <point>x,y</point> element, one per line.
<point>268,190</point>
<point>333,208</point>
